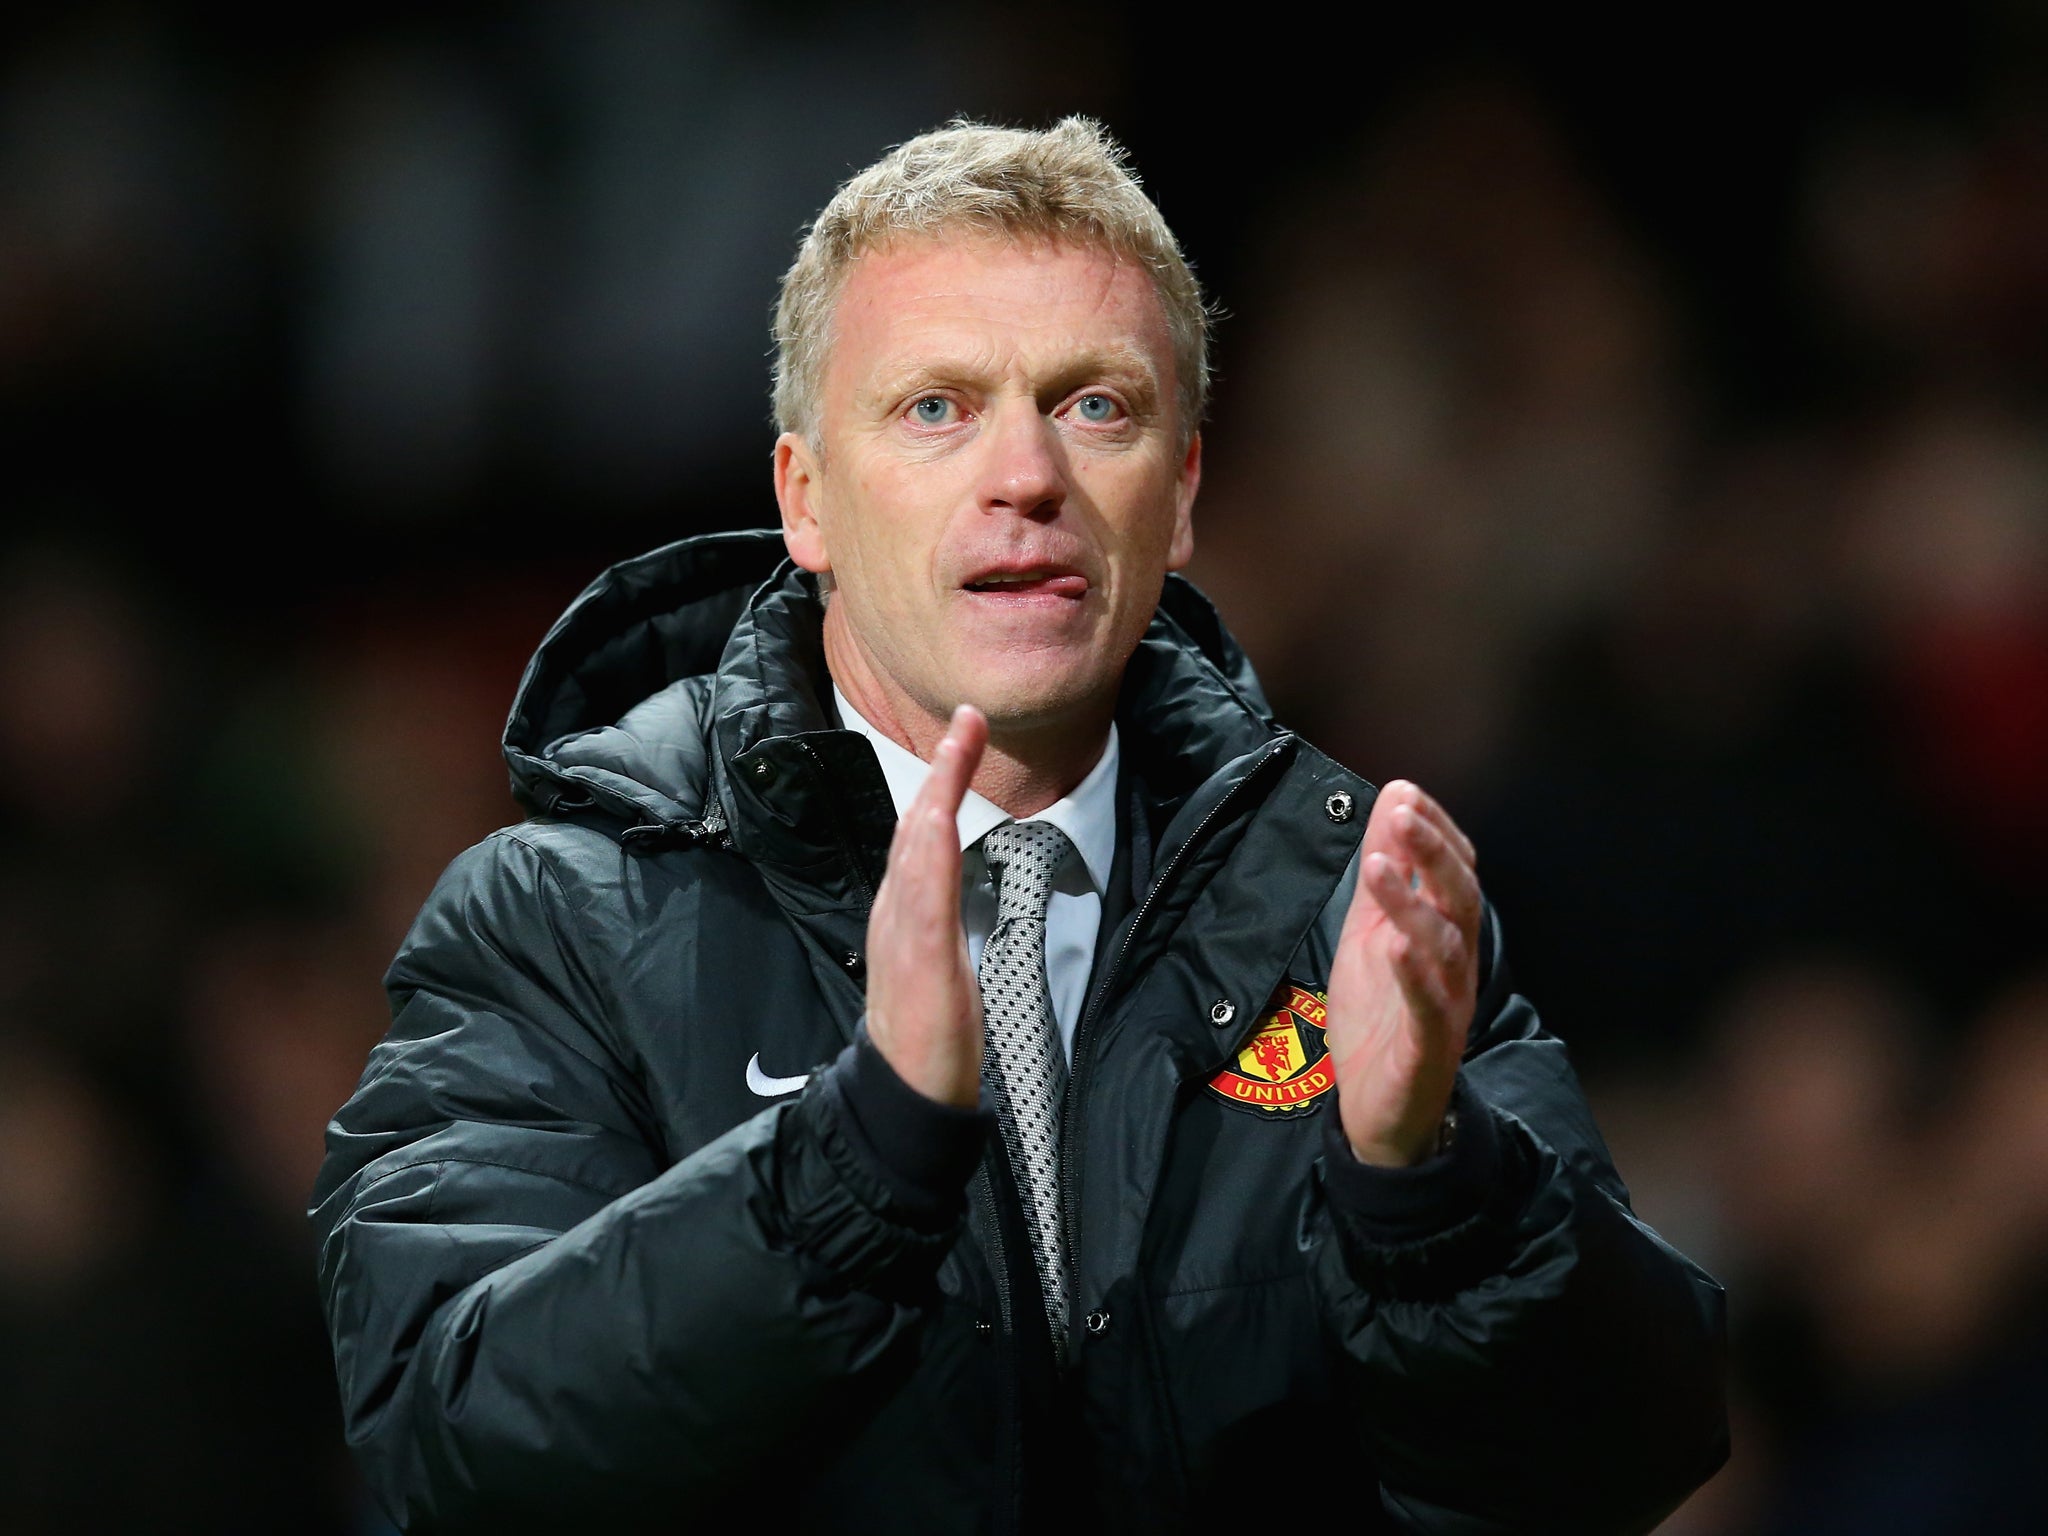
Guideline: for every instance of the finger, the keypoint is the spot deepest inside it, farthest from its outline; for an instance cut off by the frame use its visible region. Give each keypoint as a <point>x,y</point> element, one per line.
<point>1431,938</point>
<point>927,880</point>
<point>1447,880</point>
<point>954,762</point>
<point>1385,876</point>
<point>1408,792</point>
<point>935,809</point>
<point>1423,984</point>
<point>921,826</point>
<point>1432,810</point>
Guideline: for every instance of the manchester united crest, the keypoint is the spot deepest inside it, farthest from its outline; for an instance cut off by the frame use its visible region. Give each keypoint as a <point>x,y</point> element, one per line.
<point>1285,1066</point>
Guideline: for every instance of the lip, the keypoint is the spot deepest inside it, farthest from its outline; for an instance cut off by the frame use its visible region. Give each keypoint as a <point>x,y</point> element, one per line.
<point>1022,580</point>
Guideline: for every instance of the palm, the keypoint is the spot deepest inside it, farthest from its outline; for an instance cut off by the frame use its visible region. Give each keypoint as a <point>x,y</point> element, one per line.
<point>923,1007</point>
<point>1404,979</point>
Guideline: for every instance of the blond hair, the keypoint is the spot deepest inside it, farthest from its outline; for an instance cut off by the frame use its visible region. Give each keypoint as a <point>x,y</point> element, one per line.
<point>1069,184</point>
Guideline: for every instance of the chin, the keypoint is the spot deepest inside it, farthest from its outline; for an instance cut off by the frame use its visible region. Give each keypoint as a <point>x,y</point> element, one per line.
<point>1035,699</point>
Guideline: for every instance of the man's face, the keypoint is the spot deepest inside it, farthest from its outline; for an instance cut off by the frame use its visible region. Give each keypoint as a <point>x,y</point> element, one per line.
<point>1003,484</point>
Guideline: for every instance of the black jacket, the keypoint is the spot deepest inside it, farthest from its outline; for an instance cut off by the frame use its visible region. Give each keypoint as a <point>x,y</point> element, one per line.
<point>581,1275</point>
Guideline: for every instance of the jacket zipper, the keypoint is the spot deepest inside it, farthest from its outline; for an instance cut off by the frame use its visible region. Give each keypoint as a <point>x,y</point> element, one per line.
<point>982,1191</point>
<point>1070,1108</point>
<point>981,1188</point>
<point>985,1202</point>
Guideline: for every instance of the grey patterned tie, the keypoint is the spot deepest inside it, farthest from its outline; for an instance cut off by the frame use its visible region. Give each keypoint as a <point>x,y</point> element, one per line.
<point>1023,1064</point>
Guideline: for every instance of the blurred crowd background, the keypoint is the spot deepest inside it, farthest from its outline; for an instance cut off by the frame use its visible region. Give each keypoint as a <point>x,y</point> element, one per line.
<point>1640,438</point>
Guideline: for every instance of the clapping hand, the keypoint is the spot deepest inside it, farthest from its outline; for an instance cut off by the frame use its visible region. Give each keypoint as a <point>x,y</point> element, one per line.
<point>924,1009</point>
<point>1405,978</point>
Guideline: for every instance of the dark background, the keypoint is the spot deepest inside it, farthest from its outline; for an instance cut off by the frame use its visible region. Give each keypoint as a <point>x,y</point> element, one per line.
<point>1633,432</point>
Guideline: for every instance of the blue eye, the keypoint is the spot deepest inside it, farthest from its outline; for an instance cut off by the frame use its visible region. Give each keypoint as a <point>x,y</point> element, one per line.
<point>1095,408</point>
<point>932,411</point>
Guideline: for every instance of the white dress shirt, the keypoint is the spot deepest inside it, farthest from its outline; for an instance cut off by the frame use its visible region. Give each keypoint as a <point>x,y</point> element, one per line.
<point>1074,914</point>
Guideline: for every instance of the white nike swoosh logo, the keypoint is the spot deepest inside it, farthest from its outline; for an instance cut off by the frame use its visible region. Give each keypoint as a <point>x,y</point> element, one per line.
<point>772,1087</point>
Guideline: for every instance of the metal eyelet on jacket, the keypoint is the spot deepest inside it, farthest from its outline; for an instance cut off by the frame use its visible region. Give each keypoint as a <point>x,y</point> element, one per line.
<point>762,770</point>
<point>1097,1323</point>
<point>852,961</point>
<point>1339,806</point>
<point>1222,1011</point>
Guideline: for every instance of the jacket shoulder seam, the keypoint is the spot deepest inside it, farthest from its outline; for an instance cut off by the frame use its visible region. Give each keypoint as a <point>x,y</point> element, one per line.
<point>540,857</point>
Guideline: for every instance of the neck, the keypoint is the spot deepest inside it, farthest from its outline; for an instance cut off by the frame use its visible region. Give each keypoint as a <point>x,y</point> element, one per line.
<point>1025,768</point>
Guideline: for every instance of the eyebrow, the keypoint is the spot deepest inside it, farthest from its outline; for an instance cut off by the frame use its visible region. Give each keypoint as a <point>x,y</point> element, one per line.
<point>1126,367</point>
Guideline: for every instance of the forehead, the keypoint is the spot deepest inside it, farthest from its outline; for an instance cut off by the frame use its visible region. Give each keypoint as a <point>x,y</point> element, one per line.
<point>996,301</point>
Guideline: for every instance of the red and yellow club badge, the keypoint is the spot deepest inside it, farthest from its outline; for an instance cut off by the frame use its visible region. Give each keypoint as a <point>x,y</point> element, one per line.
<point>1285,1066</point>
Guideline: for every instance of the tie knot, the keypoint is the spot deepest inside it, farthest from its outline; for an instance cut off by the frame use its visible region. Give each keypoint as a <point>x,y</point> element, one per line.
<point>1023,857</point>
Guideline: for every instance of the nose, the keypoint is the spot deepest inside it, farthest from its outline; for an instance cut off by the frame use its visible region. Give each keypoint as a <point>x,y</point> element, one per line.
<point>1024,470</point>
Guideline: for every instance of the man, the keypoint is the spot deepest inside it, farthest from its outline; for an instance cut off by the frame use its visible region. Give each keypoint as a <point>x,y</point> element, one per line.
<point>671,1196</point>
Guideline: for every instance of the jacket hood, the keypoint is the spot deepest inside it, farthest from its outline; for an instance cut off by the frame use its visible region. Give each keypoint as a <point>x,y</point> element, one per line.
<point>694,653</point>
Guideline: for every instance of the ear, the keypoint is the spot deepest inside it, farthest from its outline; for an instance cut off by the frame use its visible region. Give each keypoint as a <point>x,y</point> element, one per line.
<point>799,492</point>
<point>1189,480</point>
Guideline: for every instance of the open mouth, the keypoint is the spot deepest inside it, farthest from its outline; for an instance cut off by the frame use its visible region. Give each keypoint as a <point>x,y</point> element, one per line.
<point>1035,583</point>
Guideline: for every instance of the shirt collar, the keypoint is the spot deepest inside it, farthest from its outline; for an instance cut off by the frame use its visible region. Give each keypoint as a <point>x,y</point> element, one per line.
<point>1087,814</point>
